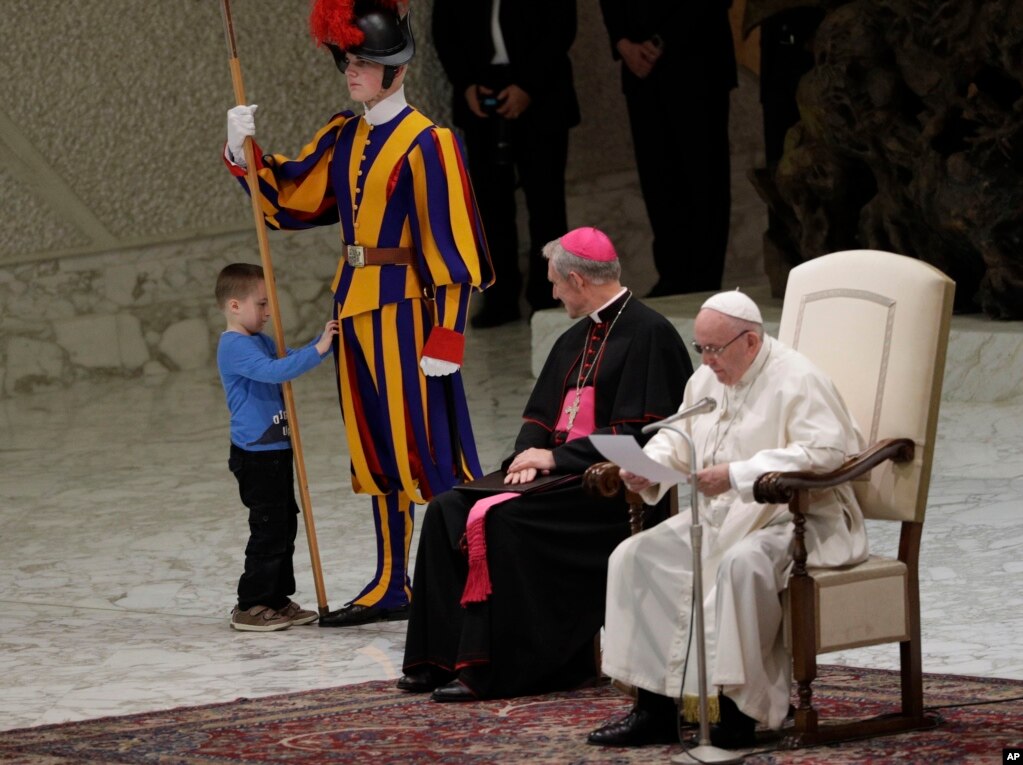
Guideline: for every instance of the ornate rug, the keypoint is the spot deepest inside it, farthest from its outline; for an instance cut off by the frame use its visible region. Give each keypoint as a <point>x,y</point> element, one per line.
<point>374,723</point>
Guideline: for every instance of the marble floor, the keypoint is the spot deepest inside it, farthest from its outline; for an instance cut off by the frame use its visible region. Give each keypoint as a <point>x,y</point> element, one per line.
<point>121,540</point>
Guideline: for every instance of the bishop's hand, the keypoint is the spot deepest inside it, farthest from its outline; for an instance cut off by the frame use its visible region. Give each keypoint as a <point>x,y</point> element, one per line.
<point>529,462</point>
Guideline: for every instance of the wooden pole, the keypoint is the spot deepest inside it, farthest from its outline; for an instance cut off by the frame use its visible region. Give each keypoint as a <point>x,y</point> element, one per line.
<point>271,293</point>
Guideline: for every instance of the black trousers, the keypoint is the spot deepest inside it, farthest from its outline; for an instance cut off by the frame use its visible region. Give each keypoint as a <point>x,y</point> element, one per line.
<point>267,488</point>
<point>684,174</point>
<point>535,159</point>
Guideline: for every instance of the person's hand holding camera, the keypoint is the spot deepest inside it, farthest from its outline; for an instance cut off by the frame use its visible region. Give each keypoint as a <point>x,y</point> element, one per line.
<point>473,96</point>
<point>486,102</point>
<point>512,101</point>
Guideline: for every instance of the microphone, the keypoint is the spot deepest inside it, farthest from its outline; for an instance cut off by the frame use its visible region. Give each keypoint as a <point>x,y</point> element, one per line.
<point>706,404</point>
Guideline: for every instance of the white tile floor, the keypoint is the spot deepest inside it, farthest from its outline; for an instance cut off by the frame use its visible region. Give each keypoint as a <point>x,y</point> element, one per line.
<point>121,540</point>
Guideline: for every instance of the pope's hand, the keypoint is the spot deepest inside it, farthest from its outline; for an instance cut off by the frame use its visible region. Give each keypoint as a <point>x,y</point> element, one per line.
<point>714,480</point>
<point>241,123</point>
<point>633,482</point>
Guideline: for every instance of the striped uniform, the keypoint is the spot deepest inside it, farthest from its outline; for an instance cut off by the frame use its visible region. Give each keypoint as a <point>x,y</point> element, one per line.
<point>399,184</point>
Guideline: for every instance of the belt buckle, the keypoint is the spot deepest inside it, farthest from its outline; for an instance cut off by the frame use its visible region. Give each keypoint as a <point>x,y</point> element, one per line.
<point>356,255</point>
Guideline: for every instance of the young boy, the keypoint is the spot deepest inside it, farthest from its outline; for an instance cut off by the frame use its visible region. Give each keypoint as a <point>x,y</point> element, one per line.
<point>261,457</point>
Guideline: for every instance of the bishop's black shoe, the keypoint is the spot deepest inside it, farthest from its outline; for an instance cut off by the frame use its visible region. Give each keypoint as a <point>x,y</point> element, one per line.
<point>456,690</point>
<point>736,730</point>
<point>423,679</point>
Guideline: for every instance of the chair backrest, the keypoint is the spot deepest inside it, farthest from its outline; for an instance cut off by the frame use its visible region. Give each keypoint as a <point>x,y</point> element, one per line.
<point>878,324</point>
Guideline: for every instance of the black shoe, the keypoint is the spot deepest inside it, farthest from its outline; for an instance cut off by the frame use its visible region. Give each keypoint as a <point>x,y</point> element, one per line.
<point>494,317</point>
<point>353,614</point>
<point>456,690</point>
<point>638,728</point>
<point>423,679</point>
<point>736,730</point>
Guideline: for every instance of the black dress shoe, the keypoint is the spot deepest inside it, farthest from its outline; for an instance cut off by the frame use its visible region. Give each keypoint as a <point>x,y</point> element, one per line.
<point>638,728</point>
<point>423,679</point>
<point>456,690</point>
<point>351,615</point>
<point>736,730</point>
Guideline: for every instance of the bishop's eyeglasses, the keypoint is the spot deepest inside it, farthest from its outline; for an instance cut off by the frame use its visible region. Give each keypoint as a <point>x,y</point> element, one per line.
<point>717,350</point>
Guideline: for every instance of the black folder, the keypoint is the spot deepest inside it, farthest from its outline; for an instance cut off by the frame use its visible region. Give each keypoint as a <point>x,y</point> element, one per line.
<point>493,483</point>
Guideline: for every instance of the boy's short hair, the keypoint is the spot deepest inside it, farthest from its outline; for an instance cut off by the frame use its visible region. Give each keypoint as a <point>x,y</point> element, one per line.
<point>237,281</point>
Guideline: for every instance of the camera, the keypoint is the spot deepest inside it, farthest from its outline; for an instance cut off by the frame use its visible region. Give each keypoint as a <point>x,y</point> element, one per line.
<point>489,104</point>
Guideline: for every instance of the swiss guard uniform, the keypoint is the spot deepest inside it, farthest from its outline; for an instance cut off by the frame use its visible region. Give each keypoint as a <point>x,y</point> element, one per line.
<point>413,251</point>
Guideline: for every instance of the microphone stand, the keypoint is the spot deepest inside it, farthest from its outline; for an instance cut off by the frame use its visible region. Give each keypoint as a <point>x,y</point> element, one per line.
<point>704,752</point>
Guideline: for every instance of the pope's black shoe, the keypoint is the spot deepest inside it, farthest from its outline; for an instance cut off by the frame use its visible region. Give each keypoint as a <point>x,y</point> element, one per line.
<point>736,730</point>
<point>353,614</point>
<point>456,690</point>
<point>638,728</point>
<point>423,679</point>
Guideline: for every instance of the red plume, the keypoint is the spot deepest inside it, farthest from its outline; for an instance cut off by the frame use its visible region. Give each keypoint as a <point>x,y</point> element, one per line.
<point>333,21</point>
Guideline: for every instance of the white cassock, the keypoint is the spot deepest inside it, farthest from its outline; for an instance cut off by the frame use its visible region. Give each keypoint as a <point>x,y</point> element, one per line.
<point>784,414</point>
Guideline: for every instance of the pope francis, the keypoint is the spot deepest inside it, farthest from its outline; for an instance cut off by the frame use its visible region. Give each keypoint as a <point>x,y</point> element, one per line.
<point>776,412</point>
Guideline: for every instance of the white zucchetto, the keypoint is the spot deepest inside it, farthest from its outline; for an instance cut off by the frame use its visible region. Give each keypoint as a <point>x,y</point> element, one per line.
<point>735,304</point>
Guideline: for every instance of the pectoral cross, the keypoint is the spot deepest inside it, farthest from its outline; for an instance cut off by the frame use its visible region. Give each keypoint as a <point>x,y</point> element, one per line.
<point>572,410</point>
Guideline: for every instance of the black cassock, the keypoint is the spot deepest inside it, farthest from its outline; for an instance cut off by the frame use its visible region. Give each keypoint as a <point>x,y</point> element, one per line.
<point>546,551</point>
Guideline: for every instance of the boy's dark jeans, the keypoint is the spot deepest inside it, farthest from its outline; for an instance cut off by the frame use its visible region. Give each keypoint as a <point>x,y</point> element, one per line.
<point>266,486</point>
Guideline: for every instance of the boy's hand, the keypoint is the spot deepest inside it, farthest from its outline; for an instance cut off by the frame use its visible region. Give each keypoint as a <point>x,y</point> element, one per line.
<point>327,338</point>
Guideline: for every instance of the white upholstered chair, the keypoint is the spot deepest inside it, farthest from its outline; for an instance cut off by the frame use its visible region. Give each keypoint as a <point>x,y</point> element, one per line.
<point>878,324</point>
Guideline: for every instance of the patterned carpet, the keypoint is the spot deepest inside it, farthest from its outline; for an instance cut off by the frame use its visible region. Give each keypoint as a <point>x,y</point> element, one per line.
<point>373,722</point>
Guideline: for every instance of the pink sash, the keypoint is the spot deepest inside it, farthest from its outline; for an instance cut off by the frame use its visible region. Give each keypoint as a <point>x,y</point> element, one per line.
<point>477,583</point>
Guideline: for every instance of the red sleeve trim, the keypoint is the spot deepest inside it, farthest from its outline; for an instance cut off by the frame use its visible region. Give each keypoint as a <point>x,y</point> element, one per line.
<point>237,170</point>
<point>446,345</point>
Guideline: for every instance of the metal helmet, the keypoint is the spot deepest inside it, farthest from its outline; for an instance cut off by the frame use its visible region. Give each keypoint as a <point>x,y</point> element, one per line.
<point>370,29</point>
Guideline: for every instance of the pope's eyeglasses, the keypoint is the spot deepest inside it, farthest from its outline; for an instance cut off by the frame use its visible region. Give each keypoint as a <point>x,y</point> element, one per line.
<point>714,350</point>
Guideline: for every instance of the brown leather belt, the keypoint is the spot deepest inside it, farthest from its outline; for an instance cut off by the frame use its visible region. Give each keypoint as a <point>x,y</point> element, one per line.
<point>359,256</point>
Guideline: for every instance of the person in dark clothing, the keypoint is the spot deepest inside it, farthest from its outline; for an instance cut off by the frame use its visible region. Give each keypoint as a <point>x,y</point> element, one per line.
<point>514,100</point>
<point>785,56</point>
<point>679,58</point>
<point>507,599</point>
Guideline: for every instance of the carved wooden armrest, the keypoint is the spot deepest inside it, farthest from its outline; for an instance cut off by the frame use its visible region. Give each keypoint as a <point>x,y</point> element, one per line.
<point>792,487</point>
<point>776,488</point>
<point>603,479</point>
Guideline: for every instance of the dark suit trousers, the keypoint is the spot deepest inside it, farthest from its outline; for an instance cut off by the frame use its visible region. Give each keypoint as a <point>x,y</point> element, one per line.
<point>684,174</point>
<point>539,153</point>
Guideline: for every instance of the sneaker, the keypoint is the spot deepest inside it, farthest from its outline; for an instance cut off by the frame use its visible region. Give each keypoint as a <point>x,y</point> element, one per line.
<point>259,619</point>
<point>299,615</point>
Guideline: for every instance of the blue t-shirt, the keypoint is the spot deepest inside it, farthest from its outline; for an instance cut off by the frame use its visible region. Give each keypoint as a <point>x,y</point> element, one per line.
<point>252,376</point>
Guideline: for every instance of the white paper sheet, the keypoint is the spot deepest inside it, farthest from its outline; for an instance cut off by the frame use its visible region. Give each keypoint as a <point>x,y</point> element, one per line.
<point>626,453</point>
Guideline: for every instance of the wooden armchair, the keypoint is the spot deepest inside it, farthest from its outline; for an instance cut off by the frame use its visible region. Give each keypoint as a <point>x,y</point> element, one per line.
<point>878,324</point>
<point>602,479</point>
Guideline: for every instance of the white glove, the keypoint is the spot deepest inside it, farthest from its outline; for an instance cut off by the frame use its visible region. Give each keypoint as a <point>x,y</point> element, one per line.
<point>241,123</point>
<point>436,367</point>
